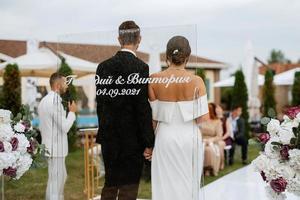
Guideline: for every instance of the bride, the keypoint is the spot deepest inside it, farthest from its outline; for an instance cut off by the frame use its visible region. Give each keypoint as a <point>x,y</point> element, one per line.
<point>177,111</point>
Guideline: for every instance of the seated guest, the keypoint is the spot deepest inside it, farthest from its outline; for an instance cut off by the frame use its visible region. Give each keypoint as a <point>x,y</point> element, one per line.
<point>239,134</point>
<point>227,128</point>
<point>212,132</point>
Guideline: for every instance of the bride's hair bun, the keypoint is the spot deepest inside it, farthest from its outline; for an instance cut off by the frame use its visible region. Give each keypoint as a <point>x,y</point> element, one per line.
<point>178,50</point>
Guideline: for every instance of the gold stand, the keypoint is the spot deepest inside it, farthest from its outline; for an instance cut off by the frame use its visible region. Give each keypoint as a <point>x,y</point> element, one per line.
<point>91,165</point>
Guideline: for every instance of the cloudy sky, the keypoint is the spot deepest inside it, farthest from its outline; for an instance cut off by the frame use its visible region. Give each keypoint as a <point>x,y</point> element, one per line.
<point>217,29</point>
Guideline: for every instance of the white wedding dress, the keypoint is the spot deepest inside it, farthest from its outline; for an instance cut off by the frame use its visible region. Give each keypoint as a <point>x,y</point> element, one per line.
<point>177,159</point>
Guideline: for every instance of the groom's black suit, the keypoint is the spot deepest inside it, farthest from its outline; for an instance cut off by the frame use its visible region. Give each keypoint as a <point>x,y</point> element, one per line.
<point>125,122</point>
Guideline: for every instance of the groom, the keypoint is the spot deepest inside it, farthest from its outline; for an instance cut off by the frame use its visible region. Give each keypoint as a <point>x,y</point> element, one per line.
<point>125,121</point>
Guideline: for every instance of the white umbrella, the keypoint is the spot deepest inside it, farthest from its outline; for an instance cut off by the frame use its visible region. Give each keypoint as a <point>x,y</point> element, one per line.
<point>154,59</point>
<point>250,70</point>
<point>229,82</point>
<point>43,62</point>
<point>287,77</point>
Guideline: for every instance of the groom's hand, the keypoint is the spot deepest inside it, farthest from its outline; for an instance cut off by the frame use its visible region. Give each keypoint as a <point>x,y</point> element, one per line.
<point>148,153</point>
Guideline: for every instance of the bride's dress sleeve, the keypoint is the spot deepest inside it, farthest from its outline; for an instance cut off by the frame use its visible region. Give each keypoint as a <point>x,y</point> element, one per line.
<point>162,111</point>
<point>193,109</point>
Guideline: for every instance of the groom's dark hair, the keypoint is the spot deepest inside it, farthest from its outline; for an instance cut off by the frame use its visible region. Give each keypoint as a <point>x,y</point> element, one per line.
<point>129,33</point>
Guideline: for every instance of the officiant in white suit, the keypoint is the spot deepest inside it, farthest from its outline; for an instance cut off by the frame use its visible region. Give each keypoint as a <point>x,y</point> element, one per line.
<point>54,126</point>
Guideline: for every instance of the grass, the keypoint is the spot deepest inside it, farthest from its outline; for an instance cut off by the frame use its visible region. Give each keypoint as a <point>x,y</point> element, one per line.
<point>32,185</point>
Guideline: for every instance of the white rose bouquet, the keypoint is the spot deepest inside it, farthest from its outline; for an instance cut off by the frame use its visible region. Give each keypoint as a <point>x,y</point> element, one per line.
<point>279,163</point>
<point>18,147</point>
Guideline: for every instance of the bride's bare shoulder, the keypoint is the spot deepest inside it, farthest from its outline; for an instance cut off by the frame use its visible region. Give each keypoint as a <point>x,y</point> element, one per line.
<point>157,74</point>
<point>198,82</point>
<point>196,79</point>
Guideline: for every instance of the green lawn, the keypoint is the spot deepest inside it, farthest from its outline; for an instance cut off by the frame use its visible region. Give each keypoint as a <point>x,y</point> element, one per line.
<point>32,185</point>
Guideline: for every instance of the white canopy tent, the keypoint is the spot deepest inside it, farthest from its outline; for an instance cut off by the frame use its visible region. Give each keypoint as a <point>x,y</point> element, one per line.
<point>229,82</point>
<point>86,82</point>
<point>42,62</point>
<point>88,85</point>
<point>5,57</point>
<point>287,77</point>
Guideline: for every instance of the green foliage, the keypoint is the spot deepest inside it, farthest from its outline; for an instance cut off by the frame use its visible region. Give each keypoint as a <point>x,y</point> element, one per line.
<point>240,96</point>
<point>70,95</point>
<point>33,184</point>
<point>11,91</point>
<point>296,90</point>
<point>226,97</point>
<point>201,72</point>
<point>277,56</point>
<point>269,103</point>
<point>25,116</point>
<point>1,97</point>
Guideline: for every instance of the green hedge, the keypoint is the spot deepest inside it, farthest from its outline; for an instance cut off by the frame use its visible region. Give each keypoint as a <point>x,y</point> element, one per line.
<point>269,103</point>
<point>11,90</point>
<point>296,90</point>
<point>72,94</point>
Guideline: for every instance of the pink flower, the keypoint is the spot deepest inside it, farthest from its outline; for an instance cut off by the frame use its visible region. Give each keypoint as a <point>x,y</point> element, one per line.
<point>278,185</point>
<point>292,112</point>
<point>264,137</point>
<point>14,143</point>
<point>32,146</point>
<point>12,172</point>
<point>284,152</point>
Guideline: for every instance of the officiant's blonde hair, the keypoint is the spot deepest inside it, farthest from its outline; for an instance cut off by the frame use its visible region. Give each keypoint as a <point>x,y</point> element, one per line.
<point>55,77</point>
<point>129,33</point>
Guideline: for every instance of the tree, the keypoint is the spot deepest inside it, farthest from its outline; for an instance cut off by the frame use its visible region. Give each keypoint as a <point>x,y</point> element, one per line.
<point>240,96</point>
<point>226,97</point>
<point>201,72</point>
<point>70,95</point>
<point>296,90</point>
<point>1,97</point>
<point>277,56</point>
<point>269,103</point>
<point>11,91</point>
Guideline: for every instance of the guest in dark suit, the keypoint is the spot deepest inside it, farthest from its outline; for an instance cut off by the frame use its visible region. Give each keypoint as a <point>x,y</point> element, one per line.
<point>125,117</point>
<point>239,133</point>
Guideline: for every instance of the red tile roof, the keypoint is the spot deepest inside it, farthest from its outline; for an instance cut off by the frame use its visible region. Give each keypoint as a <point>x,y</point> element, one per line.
<point>90,52</point>
<point>277,67</point>
<point>194,59</point>
<point>13,48</point>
